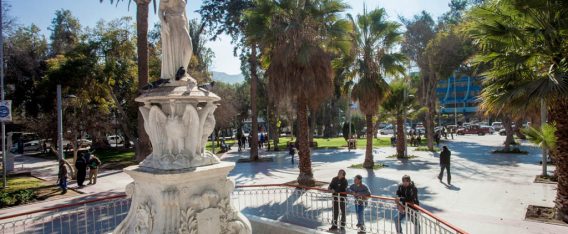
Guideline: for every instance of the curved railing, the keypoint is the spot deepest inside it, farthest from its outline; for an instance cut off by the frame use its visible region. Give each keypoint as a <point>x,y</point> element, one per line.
<point>316,204</point>
<point>307,206</point>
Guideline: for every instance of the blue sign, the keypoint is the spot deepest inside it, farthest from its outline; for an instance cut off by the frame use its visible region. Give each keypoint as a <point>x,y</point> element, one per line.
<point>5,111</point>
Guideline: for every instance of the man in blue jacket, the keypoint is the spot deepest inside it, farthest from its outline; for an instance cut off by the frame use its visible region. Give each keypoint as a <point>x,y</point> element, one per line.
<point>361,192</point>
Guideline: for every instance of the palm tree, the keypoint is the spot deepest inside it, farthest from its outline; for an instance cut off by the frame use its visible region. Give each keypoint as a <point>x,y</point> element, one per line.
<point>374,37</point>
<point>397,103</point>
<point>298,39</point>
<point>525,41</point>
<point>544,137</point>
<point>143,147</point>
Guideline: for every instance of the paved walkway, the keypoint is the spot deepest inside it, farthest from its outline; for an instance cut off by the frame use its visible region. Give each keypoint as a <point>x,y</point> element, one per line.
<point>490,192</point>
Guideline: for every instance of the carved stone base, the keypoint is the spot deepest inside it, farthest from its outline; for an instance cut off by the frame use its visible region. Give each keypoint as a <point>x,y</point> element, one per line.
<point>190,201</point>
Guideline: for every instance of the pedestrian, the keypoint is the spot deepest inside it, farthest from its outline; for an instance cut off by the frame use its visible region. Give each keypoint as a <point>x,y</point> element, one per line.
<point>452,133</point>
<point>62,176</point>
<point>361,192</point>
<point>94,163</point>
<point>445,163</point>
<point>81,165</point>
<point>393,140</point>
<point>406,196</point>
<point>291,151</point>
<point>437,138</point>
<point>261,142</point>
<point>412,140</point>
<point>338,187</point>
<point>250,140</point>
<point>419,139</point>
<point>445,132</point>
<point>240,143</point>
<point>44,146</point>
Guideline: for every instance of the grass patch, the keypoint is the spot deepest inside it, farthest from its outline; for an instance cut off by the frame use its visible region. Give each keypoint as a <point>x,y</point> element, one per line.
<point>425,148</point>
<point>21,190</point>
<point>513,151</point>
<point>336,142</point>
<point>407,157</point>
<point>377,166</point>
<point>116,158</point>
<point>543,214</point>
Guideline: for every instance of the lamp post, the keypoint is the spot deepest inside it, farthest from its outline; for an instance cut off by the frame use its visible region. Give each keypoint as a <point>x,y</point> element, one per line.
<point>4,154</point>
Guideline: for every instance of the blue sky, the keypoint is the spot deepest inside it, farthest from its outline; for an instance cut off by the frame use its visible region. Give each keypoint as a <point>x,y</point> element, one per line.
<point>40,12</point>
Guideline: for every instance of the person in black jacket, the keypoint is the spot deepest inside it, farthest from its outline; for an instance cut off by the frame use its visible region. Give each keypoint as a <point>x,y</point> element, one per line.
<point>81,165</point>
<point>445,164</point>
<point>338,186</point>
<point>406,194</point>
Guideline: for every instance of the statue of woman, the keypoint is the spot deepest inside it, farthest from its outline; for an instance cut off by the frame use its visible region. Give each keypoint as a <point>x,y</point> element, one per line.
<point>176,43</point>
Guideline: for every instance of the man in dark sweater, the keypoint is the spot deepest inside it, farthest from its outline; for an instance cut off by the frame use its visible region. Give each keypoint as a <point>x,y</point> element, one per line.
<point>445,163</point>
<point>406,194</point>
<point>338,187</point>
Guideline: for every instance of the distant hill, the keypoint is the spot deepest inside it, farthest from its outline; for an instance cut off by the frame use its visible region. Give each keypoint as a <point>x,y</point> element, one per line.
<point>227,78</point>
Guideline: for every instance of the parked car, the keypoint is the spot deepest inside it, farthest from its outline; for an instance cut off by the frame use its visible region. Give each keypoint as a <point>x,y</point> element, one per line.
<point>115,139</point>
<point>387,130</point>
<point>497,126</point>
<point>472,129</point>
<point>34,145</point>
<point>489,129</point>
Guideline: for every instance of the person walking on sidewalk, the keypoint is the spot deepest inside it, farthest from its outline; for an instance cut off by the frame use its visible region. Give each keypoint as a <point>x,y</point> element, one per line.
<point>291,151</point>
<point>445,163</point>
<point>94,164</point>
<point>361,192</point>
<point>338,187</point>
<point>62,176</point>
<point>406,194</point>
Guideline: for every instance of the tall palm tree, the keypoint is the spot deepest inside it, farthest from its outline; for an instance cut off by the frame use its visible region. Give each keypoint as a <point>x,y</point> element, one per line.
<point>143,147</point>
<point>374,37</point>
<point>397,103</point>
<point>299,38</point>
<point>526,41</point>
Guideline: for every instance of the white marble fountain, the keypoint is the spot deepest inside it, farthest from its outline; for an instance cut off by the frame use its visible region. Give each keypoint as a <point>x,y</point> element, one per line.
<point>180,187</point>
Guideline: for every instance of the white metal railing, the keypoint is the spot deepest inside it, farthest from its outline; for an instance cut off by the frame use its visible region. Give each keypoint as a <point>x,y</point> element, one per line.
<point>311,207</point>
<point>380,214</point>
<point>94,216</point>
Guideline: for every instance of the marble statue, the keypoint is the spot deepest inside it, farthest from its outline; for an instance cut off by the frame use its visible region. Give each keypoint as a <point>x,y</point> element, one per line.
<point>176,42</point>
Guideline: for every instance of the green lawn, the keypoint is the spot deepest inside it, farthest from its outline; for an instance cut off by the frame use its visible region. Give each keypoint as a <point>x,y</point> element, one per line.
<point>22,182</point>
<point>337,142</point>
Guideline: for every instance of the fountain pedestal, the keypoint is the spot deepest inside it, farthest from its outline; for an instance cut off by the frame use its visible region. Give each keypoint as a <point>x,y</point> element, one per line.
<point>182,201</point>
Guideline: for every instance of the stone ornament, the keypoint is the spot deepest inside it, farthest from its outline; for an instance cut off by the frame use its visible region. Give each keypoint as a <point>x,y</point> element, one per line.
<point>179,137</point>
<point>145,218</point>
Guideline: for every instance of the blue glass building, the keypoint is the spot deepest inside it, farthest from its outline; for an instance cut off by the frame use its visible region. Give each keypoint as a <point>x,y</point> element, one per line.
<point>459,95</point>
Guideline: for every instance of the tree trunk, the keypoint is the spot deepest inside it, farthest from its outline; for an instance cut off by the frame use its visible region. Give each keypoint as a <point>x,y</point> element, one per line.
<point>143,147</point>
<point>123,119</point>
<point>306,177</point>
<point>312,124</point>
<point>273,127</point>
<point>430,127</point>
<point>369,162</point>
<point>559,116</point>
<point>400,140</point>
<point>253,86</point>
<point>509,133</point>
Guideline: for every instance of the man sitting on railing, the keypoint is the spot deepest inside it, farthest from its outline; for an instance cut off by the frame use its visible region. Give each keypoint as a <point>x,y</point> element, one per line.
<point>407,194</point>
<point>338,187</point>
<point>361,192</point>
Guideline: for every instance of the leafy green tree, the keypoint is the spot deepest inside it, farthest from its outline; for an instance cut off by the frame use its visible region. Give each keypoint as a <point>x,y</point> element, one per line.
<point>226,16</point>
<point>375,37</point>
<point>65,32</point>
<point>444,53</point>
<point>544,137</point>
<point>525,43</point>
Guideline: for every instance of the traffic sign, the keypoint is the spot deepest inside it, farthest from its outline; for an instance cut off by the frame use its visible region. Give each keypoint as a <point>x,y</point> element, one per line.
<point>6,111</point>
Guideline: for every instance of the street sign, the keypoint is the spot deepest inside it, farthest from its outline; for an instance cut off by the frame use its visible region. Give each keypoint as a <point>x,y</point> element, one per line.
<point>6,111</point>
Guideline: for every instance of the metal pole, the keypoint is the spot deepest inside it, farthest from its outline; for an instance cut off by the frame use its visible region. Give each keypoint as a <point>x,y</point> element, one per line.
<point>404,115</point>
<point>455,103</point>
<point>4,153</point>
<point>543,117</point>
<point>349,118</point>
<point>59,124</point>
